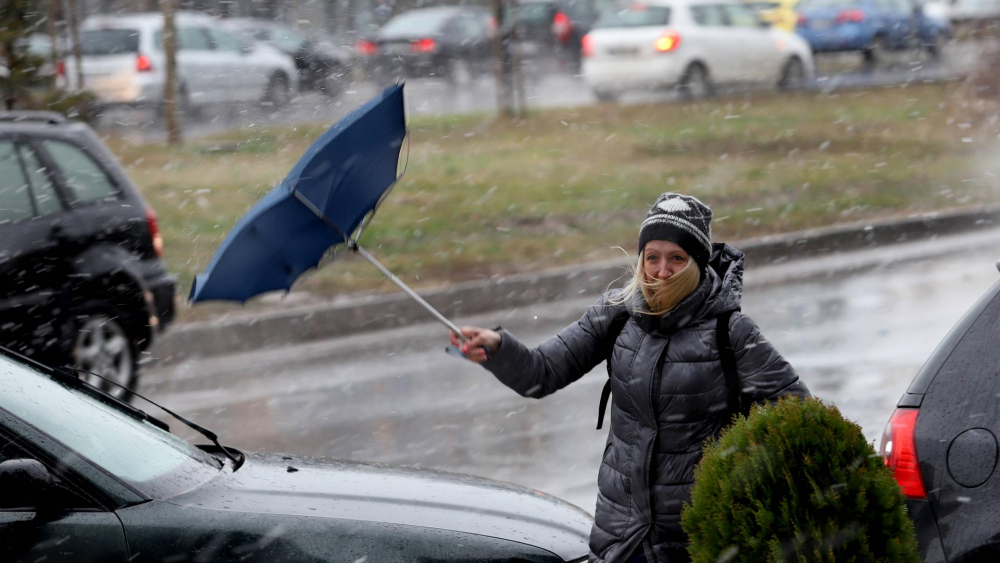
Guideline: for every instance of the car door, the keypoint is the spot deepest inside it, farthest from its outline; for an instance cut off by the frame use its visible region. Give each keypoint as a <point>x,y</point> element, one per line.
<point>65,524</point>
<point>758,56</point>
<point>713,42</point>
<point>39,236</point>
<point>198,66</point>
<point>236,67</point>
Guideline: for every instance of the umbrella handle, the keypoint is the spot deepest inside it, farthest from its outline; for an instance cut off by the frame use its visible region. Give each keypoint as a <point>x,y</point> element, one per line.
<point>392,277</point>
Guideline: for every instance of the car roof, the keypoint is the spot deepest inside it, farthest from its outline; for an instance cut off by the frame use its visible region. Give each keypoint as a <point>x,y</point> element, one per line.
<point>145,20</point>
<point>37,122</point>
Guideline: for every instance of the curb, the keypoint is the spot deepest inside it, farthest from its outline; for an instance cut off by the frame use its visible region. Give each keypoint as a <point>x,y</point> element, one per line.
<point>371,313</point>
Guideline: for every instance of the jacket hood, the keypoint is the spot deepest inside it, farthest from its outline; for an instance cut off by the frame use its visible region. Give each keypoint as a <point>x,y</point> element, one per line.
<point>720,290</point>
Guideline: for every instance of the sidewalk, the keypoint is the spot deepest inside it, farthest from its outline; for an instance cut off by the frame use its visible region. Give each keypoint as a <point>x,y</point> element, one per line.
<point>256,330</point>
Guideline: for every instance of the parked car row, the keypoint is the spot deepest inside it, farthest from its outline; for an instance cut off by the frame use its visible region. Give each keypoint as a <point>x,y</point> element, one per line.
<point>218,61</point>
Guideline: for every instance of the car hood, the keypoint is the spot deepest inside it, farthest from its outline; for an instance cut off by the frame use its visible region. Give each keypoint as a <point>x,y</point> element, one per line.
<point>323,488</point>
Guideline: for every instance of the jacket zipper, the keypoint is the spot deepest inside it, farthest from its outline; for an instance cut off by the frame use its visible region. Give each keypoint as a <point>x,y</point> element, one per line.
<point>654,388</point>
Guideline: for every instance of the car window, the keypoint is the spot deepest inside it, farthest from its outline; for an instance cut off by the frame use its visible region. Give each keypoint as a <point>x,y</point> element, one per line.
<point>465,27</point>
<point>109,41</point>
<point>415,23</point>
<point>42,188</point>
<point>580,10</point>
<point>150,459</point>
<point>635,15</point>
<point>740,16</point>
<point>188,39</point>
<point>287,39</point>
<point>222,41</point>
<point>708,15</point>
<point>86,180</point>
<point>15,193</point>
<point>535,13</point>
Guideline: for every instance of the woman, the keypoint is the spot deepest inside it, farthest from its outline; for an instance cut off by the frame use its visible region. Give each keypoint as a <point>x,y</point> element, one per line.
<point>669,389</point>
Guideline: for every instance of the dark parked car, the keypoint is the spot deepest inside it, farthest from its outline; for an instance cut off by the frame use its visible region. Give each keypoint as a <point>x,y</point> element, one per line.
<point>324,64</point>
<point>941,441</point>
<point>81,280</point>
<point>444,42</point>
<point>872,27</point>
<point>555,28</point>
<point>86,478</point>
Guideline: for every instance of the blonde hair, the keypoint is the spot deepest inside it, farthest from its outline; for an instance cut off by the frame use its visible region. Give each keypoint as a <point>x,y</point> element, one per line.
<point>661,295</point>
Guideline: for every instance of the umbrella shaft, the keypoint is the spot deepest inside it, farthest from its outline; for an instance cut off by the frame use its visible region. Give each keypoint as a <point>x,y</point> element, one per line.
<point>411,293</point>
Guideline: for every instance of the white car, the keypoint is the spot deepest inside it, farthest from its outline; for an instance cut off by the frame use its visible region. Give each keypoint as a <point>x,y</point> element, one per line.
<point>123,63</point>
<point>690,45</point>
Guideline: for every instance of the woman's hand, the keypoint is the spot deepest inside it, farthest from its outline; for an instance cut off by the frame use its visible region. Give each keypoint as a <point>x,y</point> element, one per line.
<point>478,342</point>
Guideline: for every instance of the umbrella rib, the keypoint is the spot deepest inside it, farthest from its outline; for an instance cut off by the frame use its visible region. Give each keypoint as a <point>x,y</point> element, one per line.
<point>309,205</point>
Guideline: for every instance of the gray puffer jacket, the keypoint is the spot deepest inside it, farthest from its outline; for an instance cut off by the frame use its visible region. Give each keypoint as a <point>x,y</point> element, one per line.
<point>669,395</point>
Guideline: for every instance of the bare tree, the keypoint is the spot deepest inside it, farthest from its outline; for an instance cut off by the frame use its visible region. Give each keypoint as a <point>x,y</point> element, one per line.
<point>170,86</point>
<point>50,26</point>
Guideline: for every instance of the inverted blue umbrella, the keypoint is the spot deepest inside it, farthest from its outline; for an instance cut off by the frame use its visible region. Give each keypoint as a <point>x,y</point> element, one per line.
<point>327,199</point>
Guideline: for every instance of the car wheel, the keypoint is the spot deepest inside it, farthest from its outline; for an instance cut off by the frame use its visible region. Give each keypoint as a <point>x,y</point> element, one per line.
<point>695,83</point>
<point>102,345</point>
<point>875,53</point>
<point>935,47</point>
<point>606,96</point>
<point>331,84</point>
<point>793,75</point>
<point>278,93</point>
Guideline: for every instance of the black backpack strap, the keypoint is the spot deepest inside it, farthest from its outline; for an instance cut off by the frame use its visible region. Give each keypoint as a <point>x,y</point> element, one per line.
<point>614,330</point>
<point>728,357</point>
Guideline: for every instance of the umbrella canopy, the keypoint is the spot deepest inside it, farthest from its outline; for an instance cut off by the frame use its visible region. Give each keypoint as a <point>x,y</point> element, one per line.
<point>340,180</point>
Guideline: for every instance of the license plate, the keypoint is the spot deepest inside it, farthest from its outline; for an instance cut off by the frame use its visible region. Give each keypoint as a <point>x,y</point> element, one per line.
<point>397,48</point>
<point>623,51</point>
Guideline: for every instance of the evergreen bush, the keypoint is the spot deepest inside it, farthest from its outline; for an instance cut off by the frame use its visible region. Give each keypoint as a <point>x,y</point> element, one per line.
<point>795,481</point>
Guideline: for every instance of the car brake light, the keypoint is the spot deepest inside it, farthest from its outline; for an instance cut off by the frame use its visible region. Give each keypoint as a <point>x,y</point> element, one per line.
<point>154,231</point>
<point>587,46</point>
<point>852,16</point>
<point>899,449</point>
<point>142,64</point>
<point>667,42</point>
<point>366,48</point>
<point>60,69</point>
<point>562,28</point>
<point>802,20</point>
<point>423,46</point>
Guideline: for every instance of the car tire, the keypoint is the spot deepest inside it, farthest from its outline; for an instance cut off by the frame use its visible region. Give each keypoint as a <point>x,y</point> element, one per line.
<point>278,93</point>
<point>793,76</point>
<point>102,344</point>
<point>331,84</point>
<point>875,52</point>
<point>695,83</point>
<point>606,96</point>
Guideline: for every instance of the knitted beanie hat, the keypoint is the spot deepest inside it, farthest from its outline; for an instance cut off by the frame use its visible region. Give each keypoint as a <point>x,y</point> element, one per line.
<point>682,220</point>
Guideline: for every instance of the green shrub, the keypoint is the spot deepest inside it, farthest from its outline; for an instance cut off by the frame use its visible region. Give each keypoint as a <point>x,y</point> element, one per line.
<point>795,481</point>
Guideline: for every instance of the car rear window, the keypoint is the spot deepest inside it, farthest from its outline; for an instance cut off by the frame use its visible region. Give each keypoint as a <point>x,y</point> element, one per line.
<point>535,12</point>
<point>109,41</point>
<point>635,15</point>
<point>85,178</point>
<point>416,23</point>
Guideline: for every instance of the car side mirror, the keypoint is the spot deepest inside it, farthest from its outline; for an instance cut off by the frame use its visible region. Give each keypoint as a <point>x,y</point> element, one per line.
<point>26,483</point>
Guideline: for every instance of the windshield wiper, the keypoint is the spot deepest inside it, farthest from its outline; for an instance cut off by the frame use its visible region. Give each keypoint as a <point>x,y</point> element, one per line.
<point>72,377</point>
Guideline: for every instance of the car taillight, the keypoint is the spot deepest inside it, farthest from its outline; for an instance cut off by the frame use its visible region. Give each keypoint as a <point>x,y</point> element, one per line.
<point>562,28</point>
<point>154,231</point>
<point>802,20</point>
<point>852,16</point>
<point>423,46</point>
<point>587,46</point>
<point>899,449</point>
<point>60,69</point>
<point>366,48</point>
<point>142,64</point>
<point>668,41</point>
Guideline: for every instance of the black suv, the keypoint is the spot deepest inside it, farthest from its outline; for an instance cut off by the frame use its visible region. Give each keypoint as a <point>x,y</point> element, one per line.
<point>81,281</point>
<point>941,441</point>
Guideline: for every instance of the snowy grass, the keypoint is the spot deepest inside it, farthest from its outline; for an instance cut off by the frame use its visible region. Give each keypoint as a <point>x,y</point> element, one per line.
<point>483,197</point>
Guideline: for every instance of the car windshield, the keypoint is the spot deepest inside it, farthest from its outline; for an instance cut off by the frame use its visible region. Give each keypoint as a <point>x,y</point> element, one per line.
<point>138,453</point>
<point>109,41</point>
<point>635,15</point>
<point>415,23</point>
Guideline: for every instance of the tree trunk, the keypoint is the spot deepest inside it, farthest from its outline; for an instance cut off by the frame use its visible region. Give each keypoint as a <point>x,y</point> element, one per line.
<point>74,31</point>
<point>50,27</point>
<point>170,86</point>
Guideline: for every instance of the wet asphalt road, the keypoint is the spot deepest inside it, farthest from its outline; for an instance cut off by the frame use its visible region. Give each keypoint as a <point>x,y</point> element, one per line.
<point>857,327</point>
<point>432,97</point>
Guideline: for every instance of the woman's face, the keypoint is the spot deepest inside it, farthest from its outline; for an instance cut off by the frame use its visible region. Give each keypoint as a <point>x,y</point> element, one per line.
<point>662,259</point>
